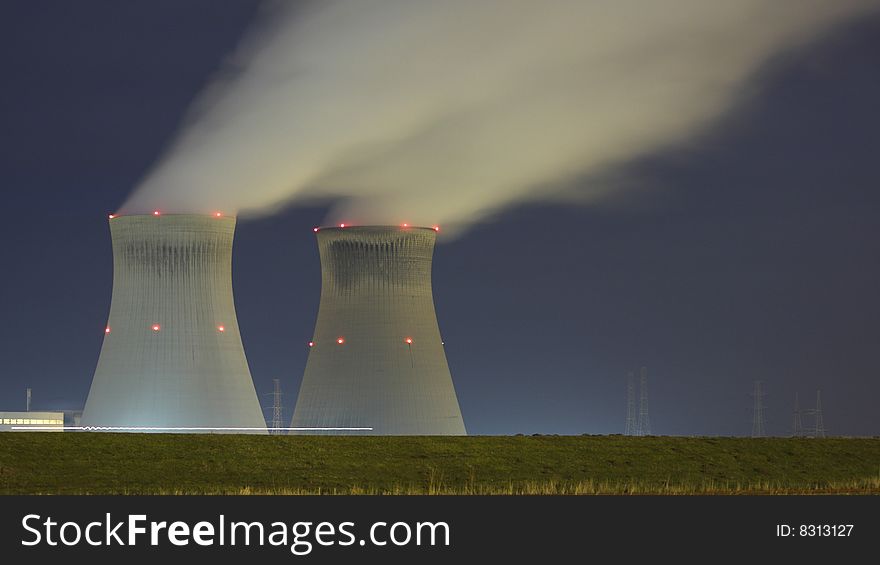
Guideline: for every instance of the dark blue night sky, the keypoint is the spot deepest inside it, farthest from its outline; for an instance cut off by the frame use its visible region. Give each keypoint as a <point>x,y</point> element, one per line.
<point>749,253</point>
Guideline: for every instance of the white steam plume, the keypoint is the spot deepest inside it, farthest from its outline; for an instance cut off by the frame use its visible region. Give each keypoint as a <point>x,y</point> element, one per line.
<point>443,111</point>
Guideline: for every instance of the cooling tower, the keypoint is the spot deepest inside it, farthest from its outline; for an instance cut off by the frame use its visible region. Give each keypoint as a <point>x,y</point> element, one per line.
<point>172,355</point>
<point>376,359</point>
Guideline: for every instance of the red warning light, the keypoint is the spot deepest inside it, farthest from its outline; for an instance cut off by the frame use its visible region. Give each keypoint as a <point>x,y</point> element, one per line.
<point>436,228</point>
<point>221,329</point>
<point>107,330</point>
<point>341,225</point>
<point>112,216</point>
<point>156,327</point>
<point>340,340</point>
<point>155,212</point>
<point>311,344</point>
<point>408,341</point>
<point>218,214</point>
<point>406,225</point>
<point>315,230</point>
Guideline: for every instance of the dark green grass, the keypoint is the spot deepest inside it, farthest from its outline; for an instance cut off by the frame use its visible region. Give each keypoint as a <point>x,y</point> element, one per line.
<point>103,463</point>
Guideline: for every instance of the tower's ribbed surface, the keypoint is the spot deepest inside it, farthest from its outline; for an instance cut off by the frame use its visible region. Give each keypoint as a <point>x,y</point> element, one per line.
<point>172,355</point>
<point>390,372</point>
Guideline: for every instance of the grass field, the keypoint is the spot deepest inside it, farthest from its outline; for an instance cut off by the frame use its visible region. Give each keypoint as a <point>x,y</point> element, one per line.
<point>102,463</point>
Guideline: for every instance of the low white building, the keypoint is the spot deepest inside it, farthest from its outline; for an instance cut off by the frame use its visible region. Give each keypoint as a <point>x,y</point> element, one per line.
<point>31,421</point>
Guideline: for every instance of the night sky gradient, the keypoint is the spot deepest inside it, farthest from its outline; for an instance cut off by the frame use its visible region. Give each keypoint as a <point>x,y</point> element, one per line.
<point>749,253</point>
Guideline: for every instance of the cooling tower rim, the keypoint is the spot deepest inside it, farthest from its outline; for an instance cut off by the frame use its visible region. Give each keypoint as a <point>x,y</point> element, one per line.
<point>374,227</point>
<point>159,215</point>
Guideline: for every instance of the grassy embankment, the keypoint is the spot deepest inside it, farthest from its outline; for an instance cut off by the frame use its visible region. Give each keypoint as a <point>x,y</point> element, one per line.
<point>101,463</point>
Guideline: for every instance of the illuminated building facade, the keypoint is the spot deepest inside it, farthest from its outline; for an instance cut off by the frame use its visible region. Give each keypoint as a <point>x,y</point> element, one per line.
<point>27,421</point>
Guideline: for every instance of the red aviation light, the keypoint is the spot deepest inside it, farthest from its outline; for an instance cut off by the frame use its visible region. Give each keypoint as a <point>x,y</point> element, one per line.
<point>315,229</point>
<point>408,340</point>
<point>221,329</point>
<point>107,330</point>
<point>311,344</point>
<point>341,225</point>
<point>218,214</point>
<point>436,228</point>
<point>112,216</point>
<point>155,212</point>
<point>406,225</point>
<point>340,340</point>
<point>156,327</point>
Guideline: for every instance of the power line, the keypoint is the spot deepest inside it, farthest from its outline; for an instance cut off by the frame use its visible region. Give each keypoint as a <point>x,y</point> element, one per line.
<point>631,424</point>
<point>758,411</point>
<point>644,428</point>
<point>276,423</point>
<point>276,407</point>
<point>819,429</point>
<point>797,424</point>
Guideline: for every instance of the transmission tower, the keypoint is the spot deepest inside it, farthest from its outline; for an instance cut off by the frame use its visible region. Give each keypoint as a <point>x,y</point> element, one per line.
<point>818,427</point>
<point>797,425</point>
<point>277,415</point>
<point>644,420</point>
<point>819,430</point>
<point>758,411</point>
<point>631,424</point>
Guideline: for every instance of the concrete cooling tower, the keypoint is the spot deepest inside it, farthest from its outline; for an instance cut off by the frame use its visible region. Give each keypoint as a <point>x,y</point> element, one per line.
<point>376,359</point>
<point>172,355</point>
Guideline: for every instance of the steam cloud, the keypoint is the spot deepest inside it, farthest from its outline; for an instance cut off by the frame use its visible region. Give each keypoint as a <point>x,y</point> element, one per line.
<point>445,111</point>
